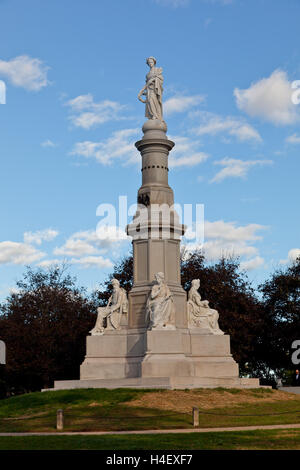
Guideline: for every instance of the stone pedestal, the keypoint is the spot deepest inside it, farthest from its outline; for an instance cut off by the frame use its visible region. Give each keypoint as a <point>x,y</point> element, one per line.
<point>171,359</point>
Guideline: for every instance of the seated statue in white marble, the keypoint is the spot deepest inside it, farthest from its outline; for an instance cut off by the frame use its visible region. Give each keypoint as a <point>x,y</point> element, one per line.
<point>160,309</point>
<point>112,313</point>
<point>200,315</point>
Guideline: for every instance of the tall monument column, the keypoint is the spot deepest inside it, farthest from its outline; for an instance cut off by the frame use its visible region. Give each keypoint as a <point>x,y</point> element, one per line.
<point>155,229</point>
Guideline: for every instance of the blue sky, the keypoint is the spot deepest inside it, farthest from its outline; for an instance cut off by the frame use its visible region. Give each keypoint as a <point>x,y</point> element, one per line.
<point>72,71</point>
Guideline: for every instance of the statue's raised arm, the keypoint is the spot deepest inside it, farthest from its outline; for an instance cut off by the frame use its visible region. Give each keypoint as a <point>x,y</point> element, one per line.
<point>153,91</point>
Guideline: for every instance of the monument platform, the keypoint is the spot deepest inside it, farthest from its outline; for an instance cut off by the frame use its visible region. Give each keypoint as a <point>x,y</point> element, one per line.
<point>163,359</point>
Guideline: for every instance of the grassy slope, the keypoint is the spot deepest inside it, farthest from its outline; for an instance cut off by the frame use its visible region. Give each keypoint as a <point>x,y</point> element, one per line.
<point>101,409</point>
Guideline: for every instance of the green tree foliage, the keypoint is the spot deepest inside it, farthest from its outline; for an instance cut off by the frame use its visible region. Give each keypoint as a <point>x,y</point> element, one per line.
<point>44,325</point>
<point>281,302</point>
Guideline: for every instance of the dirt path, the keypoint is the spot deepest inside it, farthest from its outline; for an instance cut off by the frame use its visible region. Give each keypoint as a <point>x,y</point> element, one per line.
<point>154,431</point>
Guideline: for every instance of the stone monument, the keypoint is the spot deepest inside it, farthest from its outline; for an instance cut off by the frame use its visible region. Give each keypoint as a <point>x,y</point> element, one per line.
<point>159,338</point>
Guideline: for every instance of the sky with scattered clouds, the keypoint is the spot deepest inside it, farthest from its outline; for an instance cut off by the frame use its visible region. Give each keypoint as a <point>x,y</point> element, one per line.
<point>72,71</point>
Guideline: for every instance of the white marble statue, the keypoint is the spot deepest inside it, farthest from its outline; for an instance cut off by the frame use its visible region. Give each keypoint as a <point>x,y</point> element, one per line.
<point>200,315</point>
<point>153,91</point>
<point>112,313</point>
<point>160,309</point>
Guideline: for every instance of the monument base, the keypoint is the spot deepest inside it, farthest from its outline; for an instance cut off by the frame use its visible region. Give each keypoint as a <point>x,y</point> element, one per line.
<point>170,359</point>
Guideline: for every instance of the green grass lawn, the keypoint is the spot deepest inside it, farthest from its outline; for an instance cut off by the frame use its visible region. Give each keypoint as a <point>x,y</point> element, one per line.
<point>246,440</point>
<point>106,410</point>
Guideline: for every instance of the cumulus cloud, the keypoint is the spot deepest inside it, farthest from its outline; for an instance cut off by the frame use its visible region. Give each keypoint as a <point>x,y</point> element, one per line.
<point>293,254</point>
<point>119,146</point>
<point>26,72</point>
<point>40,236</point>
<point>48,143</point>
<point>173,3</point>
<point>181,103</point>
<point>229,231</point>
<point>235,168</point>
<point>90,242</point>
<point>226,239</point>
<point>92,262</point>
<point>86,113</point>
<point>18,253</point>
<point>252,264</point>
<point>186,153</point>
<point>47,263</point>
<point>85,248</point>
<point>270,99</point>
<point>212,124</point>
<point>293,139</point>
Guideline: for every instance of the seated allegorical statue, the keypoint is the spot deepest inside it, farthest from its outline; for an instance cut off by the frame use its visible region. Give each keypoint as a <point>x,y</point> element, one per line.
<point>160,310</point>
<point>109,317</point>
<point>200,315</point>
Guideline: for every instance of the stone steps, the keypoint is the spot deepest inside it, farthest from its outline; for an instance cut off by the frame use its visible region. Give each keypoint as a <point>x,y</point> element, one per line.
<point>169,383</point>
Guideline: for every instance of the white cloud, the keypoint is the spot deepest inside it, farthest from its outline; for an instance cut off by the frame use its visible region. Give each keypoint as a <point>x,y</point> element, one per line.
<point>185,153</point>
<point>119,146</point>
<point>222,2</point>
<point>75,247</point>
<point>47,263</point>
<point>225,239</point>
<point>26,72</point>
<point>252,264</point>
<point>229,231</point>
<point>213,124</point>
<point>91,242</point>
<point>18,253</point>
<point>180,103</point>
<point>48,143</point>
<point>173,3</point>
<point>293,254</point>
<point>92,262</point>
<point>270,99</point>
<point>40,236</point>
<point>235,168</point>
<point>86,113</point>
<point>293,139</point>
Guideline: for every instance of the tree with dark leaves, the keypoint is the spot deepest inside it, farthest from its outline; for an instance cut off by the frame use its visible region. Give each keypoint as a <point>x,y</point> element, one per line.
<point>44,325</point>
<point>281,302</point>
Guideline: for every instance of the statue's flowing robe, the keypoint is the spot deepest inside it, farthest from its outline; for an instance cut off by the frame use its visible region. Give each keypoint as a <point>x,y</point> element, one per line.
<point>154,94</point>
<point>160,306</point>
<point>118,301</point>
<point>198,308</point>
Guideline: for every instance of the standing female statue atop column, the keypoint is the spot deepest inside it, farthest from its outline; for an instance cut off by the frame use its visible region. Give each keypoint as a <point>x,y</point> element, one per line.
<point>153,91</point>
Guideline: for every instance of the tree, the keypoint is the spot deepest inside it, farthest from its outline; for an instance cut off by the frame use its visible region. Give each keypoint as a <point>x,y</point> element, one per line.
<point>44,325</point>
<point>281,303</point>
